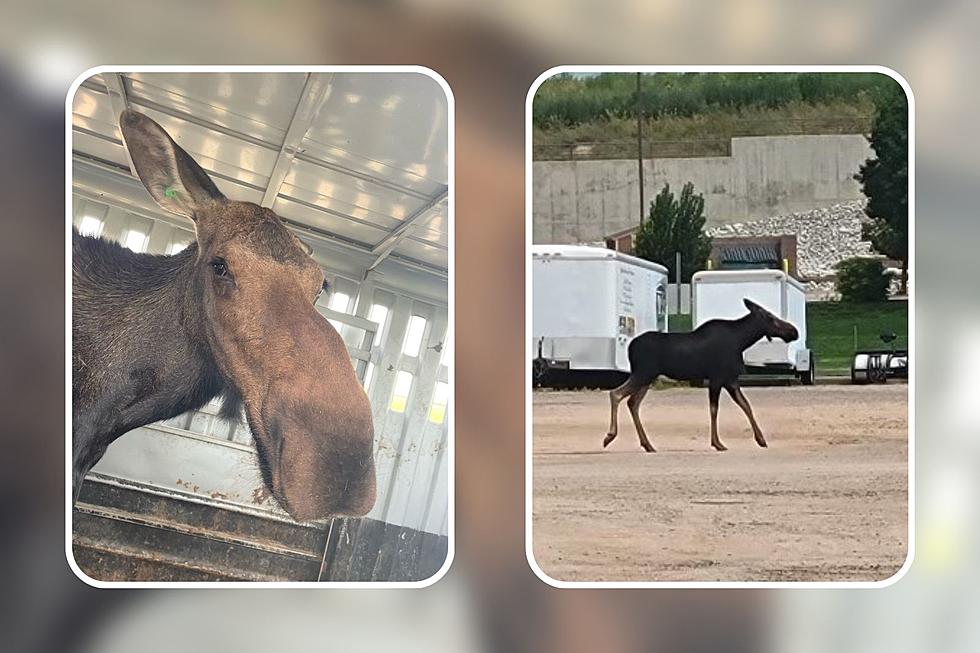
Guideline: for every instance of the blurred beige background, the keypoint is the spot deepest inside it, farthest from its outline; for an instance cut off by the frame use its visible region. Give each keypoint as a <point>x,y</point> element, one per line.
<point>490,54</point>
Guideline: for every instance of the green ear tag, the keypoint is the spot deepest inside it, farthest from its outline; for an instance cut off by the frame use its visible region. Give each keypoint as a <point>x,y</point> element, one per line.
<point>170,191</point>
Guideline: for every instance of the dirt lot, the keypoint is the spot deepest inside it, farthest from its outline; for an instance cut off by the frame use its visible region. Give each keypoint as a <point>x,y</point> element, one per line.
<point>826,501</point>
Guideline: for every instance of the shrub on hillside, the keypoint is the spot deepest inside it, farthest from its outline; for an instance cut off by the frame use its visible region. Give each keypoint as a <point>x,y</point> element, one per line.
<point>862,279</point>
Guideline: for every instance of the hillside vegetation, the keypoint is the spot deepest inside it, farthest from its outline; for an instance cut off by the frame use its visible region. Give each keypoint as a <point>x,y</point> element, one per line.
<point>695,114</point>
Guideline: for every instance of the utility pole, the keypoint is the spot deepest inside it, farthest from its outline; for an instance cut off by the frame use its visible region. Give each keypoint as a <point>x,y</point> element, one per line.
<point>639,145</point>
<point>677,278</point>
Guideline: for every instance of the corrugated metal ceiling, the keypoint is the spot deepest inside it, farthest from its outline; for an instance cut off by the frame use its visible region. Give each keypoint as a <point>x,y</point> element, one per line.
<point>362,157</point>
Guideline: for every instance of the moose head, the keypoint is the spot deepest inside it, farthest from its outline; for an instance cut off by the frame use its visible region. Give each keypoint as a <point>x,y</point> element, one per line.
<point>770,325</point>
<point>253,285</point>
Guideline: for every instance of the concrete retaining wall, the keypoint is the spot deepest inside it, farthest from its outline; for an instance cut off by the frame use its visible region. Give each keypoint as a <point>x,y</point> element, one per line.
<point>583,201</point>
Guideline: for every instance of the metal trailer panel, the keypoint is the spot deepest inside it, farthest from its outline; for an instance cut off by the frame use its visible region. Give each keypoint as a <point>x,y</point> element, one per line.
<point>575,312</point>
<point>589,302</point>
<point>795,295</point>
<point>719,295</point>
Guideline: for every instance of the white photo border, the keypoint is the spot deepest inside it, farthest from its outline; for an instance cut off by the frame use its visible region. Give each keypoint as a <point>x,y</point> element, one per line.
<point>451,438</point>
<point>528,354</point>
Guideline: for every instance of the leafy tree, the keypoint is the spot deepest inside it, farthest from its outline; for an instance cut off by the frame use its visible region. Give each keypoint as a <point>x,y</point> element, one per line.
<point>885,179</point>
<point>675,225</point>
<point>862,279</point>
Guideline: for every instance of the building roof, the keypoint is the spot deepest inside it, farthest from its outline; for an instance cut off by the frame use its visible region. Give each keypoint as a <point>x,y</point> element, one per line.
<point>748,254</point>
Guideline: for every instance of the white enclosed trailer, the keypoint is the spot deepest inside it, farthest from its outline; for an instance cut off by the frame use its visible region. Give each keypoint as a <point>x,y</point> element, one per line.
<point>719,295</point>
<point>588,303</point>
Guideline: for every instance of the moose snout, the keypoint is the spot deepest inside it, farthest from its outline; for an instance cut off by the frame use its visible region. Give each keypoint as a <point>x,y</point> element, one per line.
<point>327,473</point>
<point>790,333</point>
<point>319,424</point>
<point>322,450</point>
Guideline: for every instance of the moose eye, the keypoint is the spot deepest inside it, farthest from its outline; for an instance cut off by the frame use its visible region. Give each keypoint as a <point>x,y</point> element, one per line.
<point>220,267</point>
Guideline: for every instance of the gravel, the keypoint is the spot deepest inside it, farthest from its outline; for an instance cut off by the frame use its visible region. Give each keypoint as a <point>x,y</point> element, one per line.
<point>824,236</point>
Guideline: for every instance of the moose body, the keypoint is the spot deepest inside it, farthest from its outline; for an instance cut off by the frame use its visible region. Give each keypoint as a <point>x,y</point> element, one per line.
<point>712,352</point>
<point>232,314</point>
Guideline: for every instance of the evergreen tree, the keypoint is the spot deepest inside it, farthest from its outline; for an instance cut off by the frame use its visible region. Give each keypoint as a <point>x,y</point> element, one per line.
<point>675,225</point>
<point>885,180</point>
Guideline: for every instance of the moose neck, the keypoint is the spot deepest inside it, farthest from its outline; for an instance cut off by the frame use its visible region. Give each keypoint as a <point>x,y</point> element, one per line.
<point>163,331</point>
<point>138,318</point>
<point>750,331</point>
<point>180,310</point>
<point>188,295</point>
<point>170,299</point>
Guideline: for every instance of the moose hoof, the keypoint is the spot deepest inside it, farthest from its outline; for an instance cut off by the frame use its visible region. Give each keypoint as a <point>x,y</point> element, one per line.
<point>648,448</point>
<point>609,438</point>
<point>719,446</point>
<point>762,443</point>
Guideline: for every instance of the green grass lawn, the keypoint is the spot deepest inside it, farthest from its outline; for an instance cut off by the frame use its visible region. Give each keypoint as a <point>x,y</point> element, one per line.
<point>831,330</point>
<point>678,323</point>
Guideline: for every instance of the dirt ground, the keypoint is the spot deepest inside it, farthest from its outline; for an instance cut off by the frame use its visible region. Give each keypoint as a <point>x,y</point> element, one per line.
<point>827,500</point>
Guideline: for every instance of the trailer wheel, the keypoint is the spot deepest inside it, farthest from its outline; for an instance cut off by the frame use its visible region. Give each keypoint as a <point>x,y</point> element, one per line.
<point>539,370</point>
<point>809,376</point>
<point>877,369</point>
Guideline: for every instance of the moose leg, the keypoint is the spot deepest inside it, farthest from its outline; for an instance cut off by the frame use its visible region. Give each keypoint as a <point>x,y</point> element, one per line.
<point>714,391</point>
<point>615,397</point>
<point>79,470</point>
<point>633,403</point>
<point>87,449</point>
<point>736,393</point>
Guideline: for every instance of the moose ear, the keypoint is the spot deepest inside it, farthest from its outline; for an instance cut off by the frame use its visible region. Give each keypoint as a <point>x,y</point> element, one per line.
<point>175,180</point>
<point>751,305</point>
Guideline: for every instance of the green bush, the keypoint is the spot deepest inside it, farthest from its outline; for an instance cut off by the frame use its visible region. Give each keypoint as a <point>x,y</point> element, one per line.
<point>862,280</point>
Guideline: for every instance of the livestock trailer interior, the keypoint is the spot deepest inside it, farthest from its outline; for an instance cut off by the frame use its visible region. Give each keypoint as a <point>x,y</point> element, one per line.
<point>357,165</point>
<point>720,295</point>
<point>588,303</point>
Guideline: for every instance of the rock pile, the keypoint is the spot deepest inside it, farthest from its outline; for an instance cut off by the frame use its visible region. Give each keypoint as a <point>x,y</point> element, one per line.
<point>824,236</point>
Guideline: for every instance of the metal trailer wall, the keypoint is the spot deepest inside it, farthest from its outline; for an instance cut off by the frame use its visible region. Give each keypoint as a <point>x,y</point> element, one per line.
<point>388,300</point>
